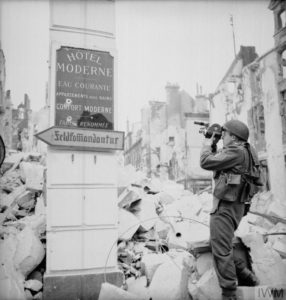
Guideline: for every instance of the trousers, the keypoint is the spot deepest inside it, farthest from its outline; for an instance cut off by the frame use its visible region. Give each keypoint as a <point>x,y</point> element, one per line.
<point>223,222</point>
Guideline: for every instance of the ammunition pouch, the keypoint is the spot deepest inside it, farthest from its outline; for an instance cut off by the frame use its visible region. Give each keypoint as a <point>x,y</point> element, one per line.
<point>231,187</point>
<point>228,187</point>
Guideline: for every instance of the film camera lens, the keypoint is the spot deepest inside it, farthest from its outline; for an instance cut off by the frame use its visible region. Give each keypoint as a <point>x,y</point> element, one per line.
<point>214,128</point>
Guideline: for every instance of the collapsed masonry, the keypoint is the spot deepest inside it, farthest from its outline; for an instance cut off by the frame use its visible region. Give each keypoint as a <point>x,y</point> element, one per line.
<point>163,245</point>
<point>163,240</point>
<point>22,226</point>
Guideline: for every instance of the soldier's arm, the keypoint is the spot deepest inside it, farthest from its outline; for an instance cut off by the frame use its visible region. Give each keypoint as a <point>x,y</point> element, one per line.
<point>223,160</point>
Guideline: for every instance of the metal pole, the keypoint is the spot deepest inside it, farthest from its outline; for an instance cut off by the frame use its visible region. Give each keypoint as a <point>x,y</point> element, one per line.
<point>233,35</point>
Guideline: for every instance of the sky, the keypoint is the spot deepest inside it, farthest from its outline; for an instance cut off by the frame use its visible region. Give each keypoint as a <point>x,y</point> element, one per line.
<point>183,42</point>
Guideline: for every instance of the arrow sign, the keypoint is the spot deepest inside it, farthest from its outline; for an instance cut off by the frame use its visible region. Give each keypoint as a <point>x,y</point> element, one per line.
<point>82,138</point>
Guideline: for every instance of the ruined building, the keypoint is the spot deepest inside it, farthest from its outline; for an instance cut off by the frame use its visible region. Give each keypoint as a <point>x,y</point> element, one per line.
<point>168,139</point>
<point>5,106</point>
<point>23,130</point>
<point>133,146</point>
<point>253,91</point>
<point>16,125</point>
<point>2,80</point>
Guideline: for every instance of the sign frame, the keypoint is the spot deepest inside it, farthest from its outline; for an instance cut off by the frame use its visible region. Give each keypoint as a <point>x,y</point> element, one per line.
<point>63,138</point>
<point>79,107</point>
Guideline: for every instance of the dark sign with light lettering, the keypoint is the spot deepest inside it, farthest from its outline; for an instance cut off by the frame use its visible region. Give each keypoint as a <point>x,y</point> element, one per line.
<point>84,89</point>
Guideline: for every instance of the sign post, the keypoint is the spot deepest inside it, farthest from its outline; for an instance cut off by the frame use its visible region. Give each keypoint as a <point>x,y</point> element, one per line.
<point>82,212</point>
<point>82,139</point>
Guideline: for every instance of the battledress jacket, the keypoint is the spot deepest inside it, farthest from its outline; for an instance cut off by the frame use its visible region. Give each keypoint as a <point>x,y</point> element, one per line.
<point>232,159</point>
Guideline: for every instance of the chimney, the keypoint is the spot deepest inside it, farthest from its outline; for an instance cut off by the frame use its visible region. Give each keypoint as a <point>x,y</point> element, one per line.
<point>26,102</point>
<point>127,126</point>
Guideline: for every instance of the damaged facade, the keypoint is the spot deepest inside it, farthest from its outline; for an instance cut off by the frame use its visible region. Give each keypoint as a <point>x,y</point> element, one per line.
<point>253,91</point>
<point>16,125</point>
<point>19,125</point>
<point>22,126</point>
<point>133,146</point>
<point>167,138</point>
<point>2,80</point>
<point>5,105</point>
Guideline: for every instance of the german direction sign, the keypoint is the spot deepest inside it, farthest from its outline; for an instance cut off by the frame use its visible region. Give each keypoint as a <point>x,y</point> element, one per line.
<point>82,139</point>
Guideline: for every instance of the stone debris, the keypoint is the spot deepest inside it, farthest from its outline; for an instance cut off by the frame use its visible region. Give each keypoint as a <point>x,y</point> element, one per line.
<point>206,288</point>
<point>163,238</point>
<point>145,211</point>
<point>112,292</point>
<point>29,295</point>
<point>260,202</point>
<point>189,235</point>
<point>277,239</point>
<point>276,209</point>
<point>128,196</point>
<point>266,262</point>
<point>150,263</point>
<point>151,255</point>
<point>29,252</point>
<point>138,286</point>
<point>128,224</point>
<point>33,285</point>
<point>204,262</point>
<point>170,281</point>
<point>22,227</point>
<point>33,175</point>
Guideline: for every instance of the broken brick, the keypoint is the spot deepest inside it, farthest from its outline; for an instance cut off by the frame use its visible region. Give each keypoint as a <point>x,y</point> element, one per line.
<point>204,262</point>
<point>170,282</point>
<point>150,263</point>
<point>112,292</point>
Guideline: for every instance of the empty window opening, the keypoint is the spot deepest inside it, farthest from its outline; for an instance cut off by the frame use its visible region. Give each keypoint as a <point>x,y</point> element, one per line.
<point>283,63</point>
<point>282,19</point>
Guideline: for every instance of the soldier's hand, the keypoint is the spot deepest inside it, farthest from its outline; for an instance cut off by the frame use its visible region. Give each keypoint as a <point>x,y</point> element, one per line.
<point>215,139</point>
<point>211,141</point>
<point>207,142</point>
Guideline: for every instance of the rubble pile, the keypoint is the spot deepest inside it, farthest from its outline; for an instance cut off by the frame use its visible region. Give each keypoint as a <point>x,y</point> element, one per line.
<point>263,230</point>
<point>22,226</point>
<point>163,245</point>
<point>163,241</point>
<point>160,226</point>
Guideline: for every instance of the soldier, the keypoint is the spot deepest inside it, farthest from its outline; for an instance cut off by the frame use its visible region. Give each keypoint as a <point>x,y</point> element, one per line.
<point>231,191</point>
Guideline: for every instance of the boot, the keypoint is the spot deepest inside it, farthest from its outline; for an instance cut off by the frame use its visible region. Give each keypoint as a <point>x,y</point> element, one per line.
<point>253,279</point>
<point>249,278</point>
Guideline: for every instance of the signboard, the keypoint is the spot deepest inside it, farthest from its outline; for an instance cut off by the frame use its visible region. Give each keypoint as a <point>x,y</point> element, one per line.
<point>82,139</point>
<point>84,89</point>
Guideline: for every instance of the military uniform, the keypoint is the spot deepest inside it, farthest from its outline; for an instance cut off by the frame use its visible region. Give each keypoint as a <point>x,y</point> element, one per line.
<point>225,215</point>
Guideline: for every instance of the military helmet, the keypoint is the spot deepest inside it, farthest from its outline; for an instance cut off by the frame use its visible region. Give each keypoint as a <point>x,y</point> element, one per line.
<point>237,128</point>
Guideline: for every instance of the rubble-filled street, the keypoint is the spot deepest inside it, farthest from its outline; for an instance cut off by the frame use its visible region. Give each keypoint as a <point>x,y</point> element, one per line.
<point>23,226</point>
<point>163,245</point>
<point>163,237</point>
<point>142,150</point>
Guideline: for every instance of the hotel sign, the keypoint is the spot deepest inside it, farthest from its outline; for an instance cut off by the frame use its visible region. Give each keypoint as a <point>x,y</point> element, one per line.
<point>84,89</point>
<point>82,139</point>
